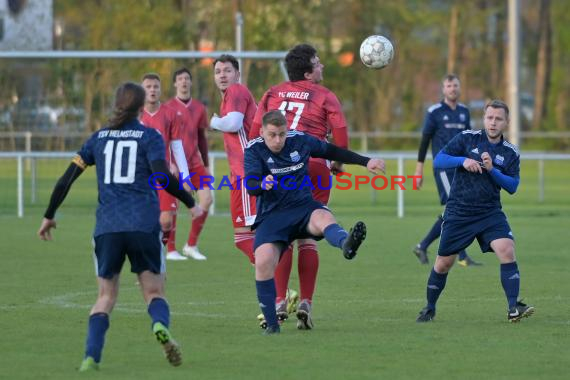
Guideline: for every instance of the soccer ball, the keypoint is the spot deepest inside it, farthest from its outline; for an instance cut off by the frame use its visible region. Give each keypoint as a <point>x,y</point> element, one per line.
<point>376,52</point>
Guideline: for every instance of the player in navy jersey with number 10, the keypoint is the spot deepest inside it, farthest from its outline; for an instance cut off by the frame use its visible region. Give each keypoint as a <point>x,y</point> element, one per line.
<point>125,154</point>
<point>484,164</point>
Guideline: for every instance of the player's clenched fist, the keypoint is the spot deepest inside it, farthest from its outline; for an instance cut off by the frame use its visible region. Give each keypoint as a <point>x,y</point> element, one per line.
<point>487,161</point>
<point>268,182</point>
<point>472,166</point>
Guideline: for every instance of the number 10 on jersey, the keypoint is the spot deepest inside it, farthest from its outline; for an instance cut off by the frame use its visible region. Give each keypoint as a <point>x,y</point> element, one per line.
<point>116,151</point>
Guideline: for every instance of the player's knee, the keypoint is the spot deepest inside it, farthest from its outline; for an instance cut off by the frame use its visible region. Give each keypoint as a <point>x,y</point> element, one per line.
<point>320,219</point>
<point>443,263</point>
<point>206,200</point>
<point>504,249</point>
<point>165,221</point>
<point>264,266</point>
<point>166,225</point>
<point>506,253</point>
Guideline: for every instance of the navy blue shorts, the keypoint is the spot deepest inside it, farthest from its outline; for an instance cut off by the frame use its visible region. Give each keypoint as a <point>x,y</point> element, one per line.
<point>458,232</point>
<point>443,180</point>
<point>285,226</point>
<point>144,250</point>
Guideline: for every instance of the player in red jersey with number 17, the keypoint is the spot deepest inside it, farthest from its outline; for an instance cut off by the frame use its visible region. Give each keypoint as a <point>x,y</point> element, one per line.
<point>315,110</point>
<point>236,116</point>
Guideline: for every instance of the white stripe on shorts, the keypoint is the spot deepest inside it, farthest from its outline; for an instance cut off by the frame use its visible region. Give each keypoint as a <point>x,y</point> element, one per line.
<point>445,181</point>
<point>95,258</point>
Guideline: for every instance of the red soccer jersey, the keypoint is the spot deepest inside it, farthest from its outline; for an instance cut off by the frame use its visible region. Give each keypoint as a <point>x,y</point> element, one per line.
<point>167,122</point>
<point>237,98</point>
<point>309,108</point>
<point>194,118</point>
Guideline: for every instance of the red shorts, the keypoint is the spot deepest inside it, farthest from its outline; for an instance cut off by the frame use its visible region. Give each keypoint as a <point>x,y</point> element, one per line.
<point>201,172</point>
<point>169,202</point>
<point>322,189</point>
<point>242,205</point>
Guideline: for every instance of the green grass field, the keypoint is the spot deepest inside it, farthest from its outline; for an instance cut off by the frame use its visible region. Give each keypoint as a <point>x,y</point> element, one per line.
<point>364,310</point>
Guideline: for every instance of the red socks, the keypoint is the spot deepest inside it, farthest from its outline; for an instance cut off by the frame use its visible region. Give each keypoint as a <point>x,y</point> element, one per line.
<point>244,241</point>
<point>282,274</point>
<point>308,263</point>
<point>197,225</point>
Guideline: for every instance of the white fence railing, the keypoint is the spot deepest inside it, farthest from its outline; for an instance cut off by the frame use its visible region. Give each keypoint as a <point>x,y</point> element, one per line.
<point>400,157</point>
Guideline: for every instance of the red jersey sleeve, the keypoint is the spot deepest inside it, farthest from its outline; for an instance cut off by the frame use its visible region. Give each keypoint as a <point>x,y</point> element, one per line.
<point>236,99</point>
<point>336,120</point>
<point>255,130</point>
<point>176,124</point>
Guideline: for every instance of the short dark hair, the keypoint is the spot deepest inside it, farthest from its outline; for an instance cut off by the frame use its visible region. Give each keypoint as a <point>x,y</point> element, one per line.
<point>449,78</point>
<point>298,61</point>
<point>497,103</point>
<point>129,99</point>
<point>153,76</point>
<point>274,117</point>
<point>227,58</point>
<point>180,71</point>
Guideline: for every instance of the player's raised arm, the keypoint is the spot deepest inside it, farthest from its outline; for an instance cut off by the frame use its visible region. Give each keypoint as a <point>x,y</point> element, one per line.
<point>232,122</point>
<point>334,153</point>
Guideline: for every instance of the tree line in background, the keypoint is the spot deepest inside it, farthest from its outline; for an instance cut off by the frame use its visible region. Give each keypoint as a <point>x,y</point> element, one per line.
<point>431,38</point>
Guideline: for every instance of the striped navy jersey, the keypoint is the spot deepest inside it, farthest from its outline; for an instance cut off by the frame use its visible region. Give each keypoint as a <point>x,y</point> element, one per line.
<point>442,124</point>
<point>474,193</point>
<point>289,169</point>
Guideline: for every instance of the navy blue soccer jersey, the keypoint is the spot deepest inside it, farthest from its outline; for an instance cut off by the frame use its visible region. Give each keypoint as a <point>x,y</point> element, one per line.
<point>474,193</point>
<point>289,169</point>
<point>442,124</point>
<point>123,159</point>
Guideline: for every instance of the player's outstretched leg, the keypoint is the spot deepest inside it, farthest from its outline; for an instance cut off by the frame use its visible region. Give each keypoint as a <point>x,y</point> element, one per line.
<point>169,345</point>
<point>355,237</point>
<point>348,242</point>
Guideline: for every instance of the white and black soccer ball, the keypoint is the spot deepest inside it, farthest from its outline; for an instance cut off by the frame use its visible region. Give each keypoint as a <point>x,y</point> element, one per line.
<point>376,52</point>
